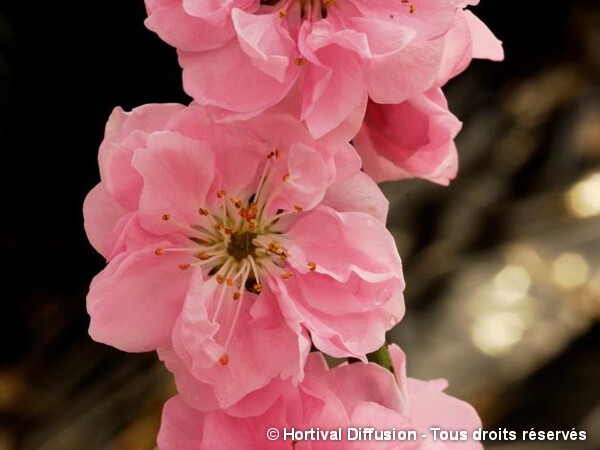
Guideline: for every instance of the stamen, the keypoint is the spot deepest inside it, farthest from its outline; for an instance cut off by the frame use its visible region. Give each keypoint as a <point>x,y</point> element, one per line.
<point>166,217</point>
<point>236,295</point>
<point>224,359</point>
<point>159,251</point>
<point>246,271</point>
<point>184,266</point>
<point>203,212</point>
<point>286,177</point>
<point>226,269</point>
<point>203,256</point>
<point>298,209</point>
<point>221,193</point>
<point>274,247</point>
<point>254,268</point>
<point>311,266</point>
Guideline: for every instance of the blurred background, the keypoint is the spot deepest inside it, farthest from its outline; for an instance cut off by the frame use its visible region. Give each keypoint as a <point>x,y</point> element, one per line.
<point>503,266</point>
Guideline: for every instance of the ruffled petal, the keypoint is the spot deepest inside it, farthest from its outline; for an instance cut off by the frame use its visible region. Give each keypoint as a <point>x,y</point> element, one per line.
<point>134,302</point>
<point>213,78</point>
<point>177,173</point>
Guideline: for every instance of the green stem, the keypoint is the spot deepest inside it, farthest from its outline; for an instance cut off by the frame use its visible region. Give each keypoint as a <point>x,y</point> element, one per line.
<point>382,357</point>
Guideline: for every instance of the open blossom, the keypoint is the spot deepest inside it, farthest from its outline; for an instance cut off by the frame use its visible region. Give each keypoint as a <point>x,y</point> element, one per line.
<point>318,59</point>
<point>236,246</point>
<point>413,139</point>
<point>355,395</point>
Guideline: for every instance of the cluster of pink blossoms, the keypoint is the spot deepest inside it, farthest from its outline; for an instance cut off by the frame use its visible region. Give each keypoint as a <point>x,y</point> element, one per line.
<point>243,230</point>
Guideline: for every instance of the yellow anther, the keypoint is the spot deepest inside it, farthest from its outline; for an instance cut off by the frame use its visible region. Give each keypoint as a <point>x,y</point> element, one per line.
<point>311,266</point>
<point>203,212</point>
<point>236,295</point>
<point>184,266</point>
<point>220,278</point>
<point>221,193</point>
<point>159,251</point>
<point>274,246</point>
<point>166,217</point>
<point>298,209</point>
<point>286,177</point>
<point>224,360</point>
<point>203,256</point>
<point>257,287</point>
<point>299,61</point>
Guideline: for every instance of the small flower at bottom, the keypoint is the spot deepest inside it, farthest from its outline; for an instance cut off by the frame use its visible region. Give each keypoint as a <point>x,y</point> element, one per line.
<point>236,245</point>
<point>352,396</point>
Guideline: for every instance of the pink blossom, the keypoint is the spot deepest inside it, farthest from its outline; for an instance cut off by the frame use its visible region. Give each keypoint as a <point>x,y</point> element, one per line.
<point>355,395</point>
<point>236,245</point>
<point>413,139</point>
<point>318,59</point>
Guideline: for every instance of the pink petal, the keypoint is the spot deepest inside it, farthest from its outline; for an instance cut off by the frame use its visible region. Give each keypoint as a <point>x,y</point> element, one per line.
<point>263,39</point>
<point>347,242</point>
<point>260,349</point>
<point>134,301</point>
<point>411,139</point>
<point>173,24</point>
<point>101,213</point>
<point>213,78</point>
<point>399,76</point>
<point>429,407</point>
<point>485,44</point>
<point>351,322</point>
<point>334,82</point>
<point>126,133</point>
<point>181,427</point>
<point>358,383</point>
<point>177,173</point>
<point>301,182</point>
<point>359,193</point>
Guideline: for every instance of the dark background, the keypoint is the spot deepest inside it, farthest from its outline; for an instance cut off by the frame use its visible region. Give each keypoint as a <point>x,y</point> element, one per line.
<point>521,151</point>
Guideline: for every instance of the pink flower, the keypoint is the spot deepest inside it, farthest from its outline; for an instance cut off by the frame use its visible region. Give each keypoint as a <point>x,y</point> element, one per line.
<point>413,139</point>
<point>355,395</point>
<point>319,59</point>
<point>236,245</point>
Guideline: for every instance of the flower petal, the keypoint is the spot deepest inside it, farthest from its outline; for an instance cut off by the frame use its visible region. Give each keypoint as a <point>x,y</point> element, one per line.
<point>359,193</point>
<point>177,173</point>
<point>213,78</point>
<point>134,301</point>
<point>347,242</point>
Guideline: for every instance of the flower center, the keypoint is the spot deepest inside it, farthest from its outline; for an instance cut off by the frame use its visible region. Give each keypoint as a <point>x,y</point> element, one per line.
<point>241,245</point>
<point>237,244</point>
<point>308,9</point>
